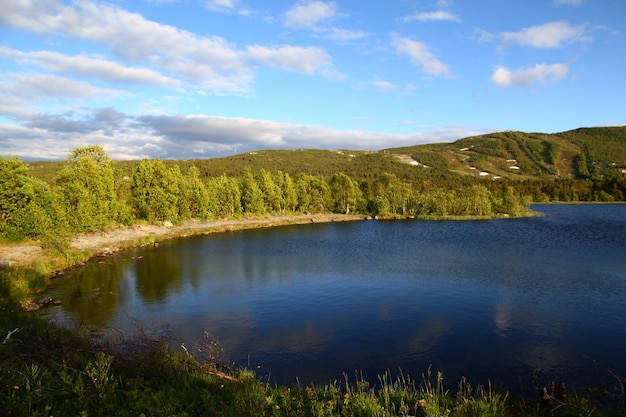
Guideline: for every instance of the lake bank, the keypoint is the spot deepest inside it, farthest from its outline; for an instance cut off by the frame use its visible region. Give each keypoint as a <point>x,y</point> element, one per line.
<point>102,243</point>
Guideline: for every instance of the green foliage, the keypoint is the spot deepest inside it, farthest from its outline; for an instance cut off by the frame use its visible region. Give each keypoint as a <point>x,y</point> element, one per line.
<point>86,190</point>
<point>251,194</point>
<point>197,195</point>
<point>287,189</point>
<point>313,194</point>
<point>155,191</point>
<point>603,148</point>
<point>27,206</point>
<point>345,193</point>
<point>226,195</point>
<point>272,195</point>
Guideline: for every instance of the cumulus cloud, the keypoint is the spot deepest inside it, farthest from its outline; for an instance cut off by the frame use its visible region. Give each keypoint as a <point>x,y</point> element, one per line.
<point>37,86</point>
<point>316,16</point>
<point>420,56</point>
<point>439,15</point>
<point>208,62</point>
<point>310,14</point>
<point>90,67</point>
<point>548,35</point>
<point>295,58</point>
<point>528,77</point>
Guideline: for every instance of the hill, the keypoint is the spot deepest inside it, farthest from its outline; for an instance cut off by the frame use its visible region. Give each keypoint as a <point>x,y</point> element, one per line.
<point>575,154</point>
<point>585,153</point>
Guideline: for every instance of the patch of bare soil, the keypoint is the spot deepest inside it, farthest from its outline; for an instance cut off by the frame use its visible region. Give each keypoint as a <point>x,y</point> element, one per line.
<point>408,159</point>
<point>112,240</point>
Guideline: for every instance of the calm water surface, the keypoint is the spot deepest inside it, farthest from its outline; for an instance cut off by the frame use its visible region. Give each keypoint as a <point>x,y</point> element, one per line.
<point>517,301</point>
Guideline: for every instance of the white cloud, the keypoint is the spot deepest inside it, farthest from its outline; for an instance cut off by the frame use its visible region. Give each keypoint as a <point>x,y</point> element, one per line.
<point>36,86</point>
<point>528,77</point>
<point>294,58</point>
<point>343,35</point>
<point>90,67</point>
<point>549,35</point>
<point>388,87</point>
<point>222,6</point>
<point>227,6</point>
<point>43,137</point>
<point>429,16</point>
<point>309,14</point>
<point>315,16</point>
<point>420,56</point>
<point>208,63</point>
<point>384,85</point>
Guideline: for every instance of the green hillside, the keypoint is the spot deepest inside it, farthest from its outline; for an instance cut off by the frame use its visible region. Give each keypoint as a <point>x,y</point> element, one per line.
<point>585,153</point>
<point>575,154</point>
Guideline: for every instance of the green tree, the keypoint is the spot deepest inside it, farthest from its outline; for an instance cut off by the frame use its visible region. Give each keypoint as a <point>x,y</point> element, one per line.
<point>227,196</point>
<point>272,196</point>
<point>251,194</point>
<point>434,202</point>
<point>470,201</point>
<point>27,206</point>
<point>344,191</point>
<point>198,195</point>
<point>287,188</point>
<point>183,193</point>
<point>313,194</point>
<point>86,189</point>
<point>511,202</point>
<point>154,192</point>
<point>390,195</point>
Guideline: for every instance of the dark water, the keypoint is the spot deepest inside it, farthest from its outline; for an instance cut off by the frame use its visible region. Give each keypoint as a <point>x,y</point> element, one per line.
<point>519,302</point>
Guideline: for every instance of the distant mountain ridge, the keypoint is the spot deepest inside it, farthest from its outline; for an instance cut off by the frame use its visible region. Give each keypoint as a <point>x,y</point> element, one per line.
<point>584,153</point>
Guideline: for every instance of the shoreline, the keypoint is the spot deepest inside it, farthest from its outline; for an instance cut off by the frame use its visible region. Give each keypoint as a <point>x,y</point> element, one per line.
<point>102,243</point>
<point>98,244</point>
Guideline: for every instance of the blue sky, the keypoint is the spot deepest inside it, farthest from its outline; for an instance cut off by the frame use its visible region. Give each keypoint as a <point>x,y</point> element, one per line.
<point>208,78</point>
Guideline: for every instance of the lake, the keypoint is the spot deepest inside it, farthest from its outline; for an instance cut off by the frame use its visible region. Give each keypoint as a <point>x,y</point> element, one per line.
<point>518,302</point>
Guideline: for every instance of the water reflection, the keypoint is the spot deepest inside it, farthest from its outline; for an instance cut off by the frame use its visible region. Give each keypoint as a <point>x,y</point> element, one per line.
<point>500,300</point>
<point>93,293</point>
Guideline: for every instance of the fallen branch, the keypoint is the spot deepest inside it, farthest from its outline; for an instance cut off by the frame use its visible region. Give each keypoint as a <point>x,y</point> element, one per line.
<point>222,375</point>
<point>9,334</point>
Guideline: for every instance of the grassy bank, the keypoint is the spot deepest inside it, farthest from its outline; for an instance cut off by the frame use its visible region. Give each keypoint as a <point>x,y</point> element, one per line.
<point>48,370</point>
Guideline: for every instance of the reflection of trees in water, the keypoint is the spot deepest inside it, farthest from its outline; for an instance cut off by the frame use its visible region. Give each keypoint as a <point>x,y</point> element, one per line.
<point>158,274</point>
<point>93,292</point>
<point>164,270</point>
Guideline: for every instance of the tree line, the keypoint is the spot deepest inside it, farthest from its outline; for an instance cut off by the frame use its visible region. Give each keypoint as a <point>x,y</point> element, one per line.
<point>88,195</point>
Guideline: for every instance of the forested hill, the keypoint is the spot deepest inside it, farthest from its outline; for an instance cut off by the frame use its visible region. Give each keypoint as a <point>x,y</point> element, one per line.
<point>582,153</point>
<point>585,153</point>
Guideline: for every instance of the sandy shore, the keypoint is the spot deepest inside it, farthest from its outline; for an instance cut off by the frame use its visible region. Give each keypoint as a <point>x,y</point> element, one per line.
<point>111,241</point>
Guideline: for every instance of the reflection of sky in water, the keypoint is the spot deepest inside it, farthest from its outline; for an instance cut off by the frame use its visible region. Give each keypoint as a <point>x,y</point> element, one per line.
<point>487,299</point>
